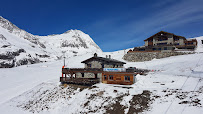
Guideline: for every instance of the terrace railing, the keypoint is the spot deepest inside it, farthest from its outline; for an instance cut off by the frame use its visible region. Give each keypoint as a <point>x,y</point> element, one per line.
<point>80,81</point>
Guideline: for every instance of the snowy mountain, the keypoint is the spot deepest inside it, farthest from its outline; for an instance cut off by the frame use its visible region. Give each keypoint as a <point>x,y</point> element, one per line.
<point>19,47</point>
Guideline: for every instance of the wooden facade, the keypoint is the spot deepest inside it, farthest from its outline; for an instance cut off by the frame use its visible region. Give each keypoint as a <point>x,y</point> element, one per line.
<point>94,73</point>
<point>122,78</point>
<point>164,41</point>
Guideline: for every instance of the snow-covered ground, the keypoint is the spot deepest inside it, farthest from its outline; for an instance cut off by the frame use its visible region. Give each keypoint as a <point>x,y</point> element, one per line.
<point>175,87</point>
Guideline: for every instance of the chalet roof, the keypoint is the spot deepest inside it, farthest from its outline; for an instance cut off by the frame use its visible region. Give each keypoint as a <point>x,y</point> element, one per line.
<point>166,33</point>
<point>103,59</point>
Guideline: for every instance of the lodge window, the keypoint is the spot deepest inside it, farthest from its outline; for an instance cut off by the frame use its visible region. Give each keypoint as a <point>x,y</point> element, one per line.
<point>150,40</point>
<point>162,39</point>
<point>202,41</point>
<point>127,78</point>
<point>88,65</point>
<point>176,39</point>
<point>189,43</point>
<point>110,77</point>
<point>161,43</point>
<point>165,48</point>
<point>105,77</point>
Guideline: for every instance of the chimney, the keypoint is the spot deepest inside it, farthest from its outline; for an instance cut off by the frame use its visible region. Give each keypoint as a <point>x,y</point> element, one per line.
<point>109,56</point>
<point>95,54</point>
<point>106,56</point>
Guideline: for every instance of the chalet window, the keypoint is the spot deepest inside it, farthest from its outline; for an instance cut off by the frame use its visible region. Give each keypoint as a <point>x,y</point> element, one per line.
<point>165,48</point>
<point>150,40</point>
<point>162,44</point>
<point>202,41</point>
<point>110,77</point>
<point>127,78</point>
<point>88,65</point>
<point>105,77</point>
<point>82,74</point>
<point>162,39</point>
<point>176,39</point>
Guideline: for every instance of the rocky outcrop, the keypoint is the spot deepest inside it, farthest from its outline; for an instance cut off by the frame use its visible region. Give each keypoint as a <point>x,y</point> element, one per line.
<point>148,56</point>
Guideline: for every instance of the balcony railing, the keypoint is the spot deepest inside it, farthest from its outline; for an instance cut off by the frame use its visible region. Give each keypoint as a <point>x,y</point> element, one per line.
<point>80,81</point>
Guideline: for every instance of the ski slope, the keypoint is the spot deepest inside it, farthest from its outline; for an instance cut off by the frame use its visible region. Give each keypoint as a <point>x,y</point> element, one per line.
<point>168,74</point>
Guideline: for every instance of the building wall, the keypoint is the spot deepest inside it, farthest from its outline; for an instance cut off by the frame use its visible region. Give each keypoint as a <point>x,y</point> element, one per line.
<point>88,75</point>
<point>99,75</point>
<point>154,41</point>
<point>110,65</point>
<point>94,64</point>
<point>98,64</point>
<point>146,43</point>
<point>181,41</point>
<point>170,39</point>
<point>118,78</point>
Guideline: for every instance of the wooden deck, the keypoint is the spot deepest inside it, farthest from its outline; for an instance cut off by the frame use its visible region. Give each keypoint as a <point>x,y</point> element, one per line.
<point>79,81</point>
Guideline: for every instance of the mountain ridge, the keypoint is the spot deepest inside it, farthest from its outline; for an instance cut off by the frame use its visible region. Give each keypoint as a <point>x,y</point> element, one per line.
<point>40,48</point>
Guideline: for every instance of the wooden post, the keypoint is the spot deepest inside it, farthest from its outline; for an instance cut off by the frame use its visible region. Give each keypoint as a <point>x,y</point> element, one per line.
<point>71,75</point>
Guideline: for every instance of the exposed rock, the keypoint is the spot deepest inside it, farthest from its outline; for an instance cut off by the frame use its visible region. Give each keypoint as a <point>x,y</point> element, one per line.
<point>26,61</point>
<point>7,64</point>
<point>2,37</point>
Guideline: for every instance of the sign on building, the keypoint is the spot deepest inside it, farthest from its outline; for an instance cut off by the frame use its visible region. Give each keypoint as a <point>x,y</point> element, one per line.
<point>114,69</point>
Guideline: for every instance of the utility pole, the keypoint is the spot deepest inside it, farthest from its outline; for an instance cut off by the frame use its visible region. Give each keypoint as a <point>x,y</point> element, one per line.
<point>64,57</point>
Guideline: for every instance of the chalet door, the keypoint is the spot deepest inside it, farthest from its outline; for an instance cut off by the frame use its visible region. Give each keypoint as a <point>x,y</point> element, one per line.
<point>95,75</point>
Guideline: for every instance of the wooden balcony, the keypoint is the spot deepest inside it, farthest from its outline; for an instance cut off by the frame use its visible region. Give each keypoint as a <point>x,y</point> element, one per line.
<point>79,81</point>
<point>74,70</point>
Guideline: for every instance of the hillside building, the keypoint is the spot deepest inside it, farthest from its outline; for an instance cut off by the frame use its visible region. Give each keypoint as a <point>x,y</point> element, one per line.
<point>99,69</point>
<point>166,42</point>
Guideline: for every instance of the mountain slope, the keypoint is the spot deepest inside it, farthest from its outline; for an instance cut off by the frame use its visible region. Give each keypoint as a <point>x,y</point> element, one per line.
<point>36,89</point>
<point>19,47</point>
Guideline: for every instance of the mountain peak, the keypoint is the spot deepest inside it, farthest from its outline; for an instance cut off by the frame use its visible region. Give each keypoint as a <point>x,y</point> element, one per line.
<point>28,48</point>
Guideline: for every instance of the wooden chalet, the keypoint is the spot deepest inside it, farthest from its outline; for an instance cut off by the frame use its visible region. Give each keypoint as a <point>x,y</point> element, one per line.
<point>165,41</point>
<point>99,69</point>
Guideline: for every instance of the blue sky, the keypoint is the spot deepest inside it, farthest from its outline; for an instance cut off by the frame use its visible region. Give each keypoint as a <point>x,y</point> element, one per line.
<point>112,24</point>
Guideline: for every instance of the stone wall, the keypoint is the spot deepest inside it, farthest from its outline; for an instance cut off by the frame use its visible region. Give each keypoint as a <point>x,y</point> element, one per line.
<point>94,64</point>
<point>88,75</point>
<point>98,64</point>
<point>148,56</point>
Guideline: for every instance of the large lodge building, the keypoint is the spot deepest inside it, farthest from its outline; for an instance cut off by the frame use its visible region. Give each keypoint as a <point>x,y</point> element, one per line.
<point>166,42</point>
<point>99,69</point>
